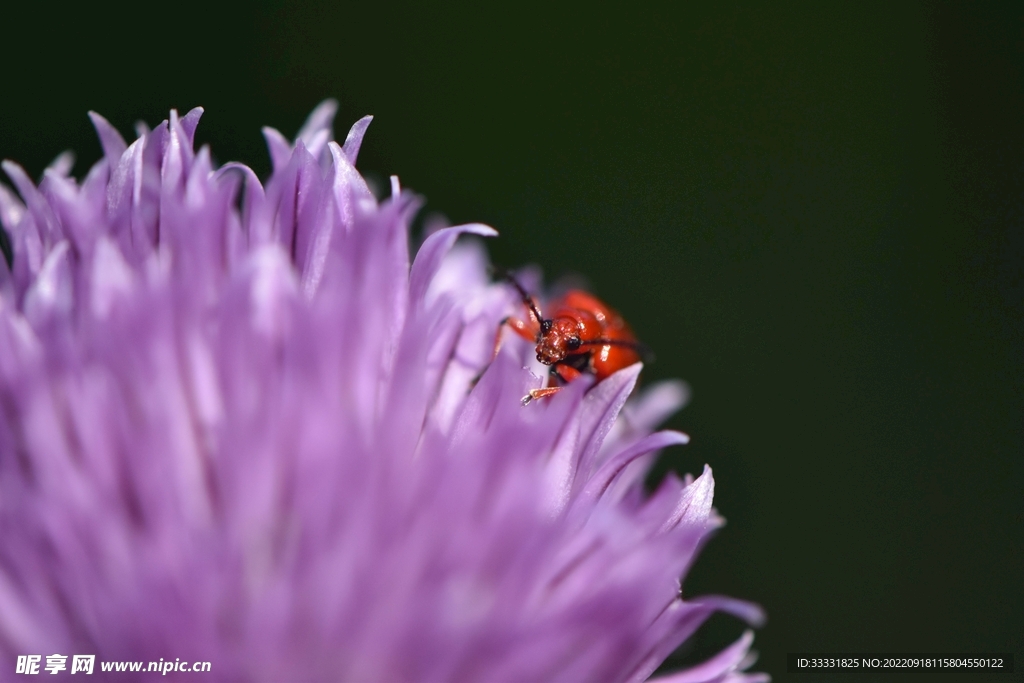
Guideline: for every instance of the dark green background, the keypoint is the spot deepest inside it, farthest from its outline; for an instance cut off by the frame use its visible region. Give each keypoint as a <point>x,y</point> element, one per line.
<point>814,214</point>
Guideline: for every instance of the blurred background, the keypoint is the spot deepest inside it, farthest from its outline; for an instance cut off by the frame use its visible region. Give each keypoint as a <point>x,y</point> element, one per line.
<point>813,214</point>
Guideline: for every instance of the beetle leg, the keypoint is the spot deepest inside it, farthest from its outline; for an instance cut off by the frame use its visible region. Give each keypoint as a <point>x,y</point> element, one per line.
<point>525,330</point>
<point>540,393</point>
<point>566,373</point>
<point>497,338</point>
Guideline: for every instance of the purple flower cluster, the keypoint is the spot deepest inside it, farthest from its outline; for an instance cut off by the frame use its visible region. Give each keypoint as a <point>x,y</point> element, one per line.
<point>239,424</point>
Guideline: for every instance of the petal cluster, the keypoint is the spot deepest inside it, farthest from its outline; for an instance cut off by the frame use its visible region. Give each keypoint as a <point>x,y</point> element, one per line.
<point>240,424</point>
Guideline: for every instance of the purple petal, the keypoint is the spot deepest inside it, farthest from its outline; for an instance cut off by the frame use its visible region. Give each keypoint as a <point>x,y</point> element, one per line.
<point>34,201</point>
<point>354,139</point>
<point>112,278</point>
<point>722,668</point>
<point>747,611</point>
<point>113,144</point>
<point>77,218</point>
<point>189,122</point>
<point>648,409</point>
<point>596,485</point>
<point>694,505</point>
<point>429,257</point>
<point>11,210</point>
<point>320,119</point>
<point>7,292</point>
<point>51,293</point>
<point>278,146</point>
<point>63,163</point>
<point>600,412</point>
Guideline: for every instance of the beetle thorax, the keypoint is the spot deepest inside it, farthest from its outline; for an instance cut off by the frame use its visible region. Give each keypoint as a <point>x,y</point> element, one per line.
<point>558,339</point>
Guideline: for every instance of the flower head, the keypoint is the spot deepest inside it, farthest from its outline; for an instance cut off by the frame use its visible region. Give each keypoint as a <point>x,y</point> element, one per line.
<point>239,424</point>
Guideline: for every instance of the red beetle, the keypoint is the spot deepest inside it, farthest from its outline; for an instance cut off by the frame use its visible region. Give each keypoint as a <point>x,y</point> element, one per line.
<point>584,335</point>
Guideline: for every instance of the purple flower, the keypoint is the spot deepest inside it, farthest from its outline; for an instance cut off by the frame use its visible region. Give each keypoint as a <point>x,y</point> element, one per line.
<point>238,425</point>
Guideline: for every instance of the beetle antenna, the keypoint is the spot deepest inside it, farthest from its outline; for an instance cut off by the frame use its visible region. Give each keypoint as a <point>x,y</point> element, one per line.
<point>506,274</point>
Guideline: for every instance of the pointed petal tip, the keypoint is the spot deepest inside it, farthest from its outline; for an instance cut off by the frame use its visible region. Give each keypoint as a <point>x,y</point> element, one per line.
<point>480,229</point>
<point>354,139</point>
<point>322,117</point>
<point>666,438</point>
<point>684,438</point>
<point>190,121</point>
<point>61,165</point>
<point>278,146</point>
<point>750,612</point>
<point>19,177</point>
<point>633,371</point>
<point>746,640</point>
<point>328,105</point>
<point>673,394</point>
<point>323,113</point>
<point>754,615</point>
<point>722,667</point>
<point>616,466</point>
<point>706,480</point>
